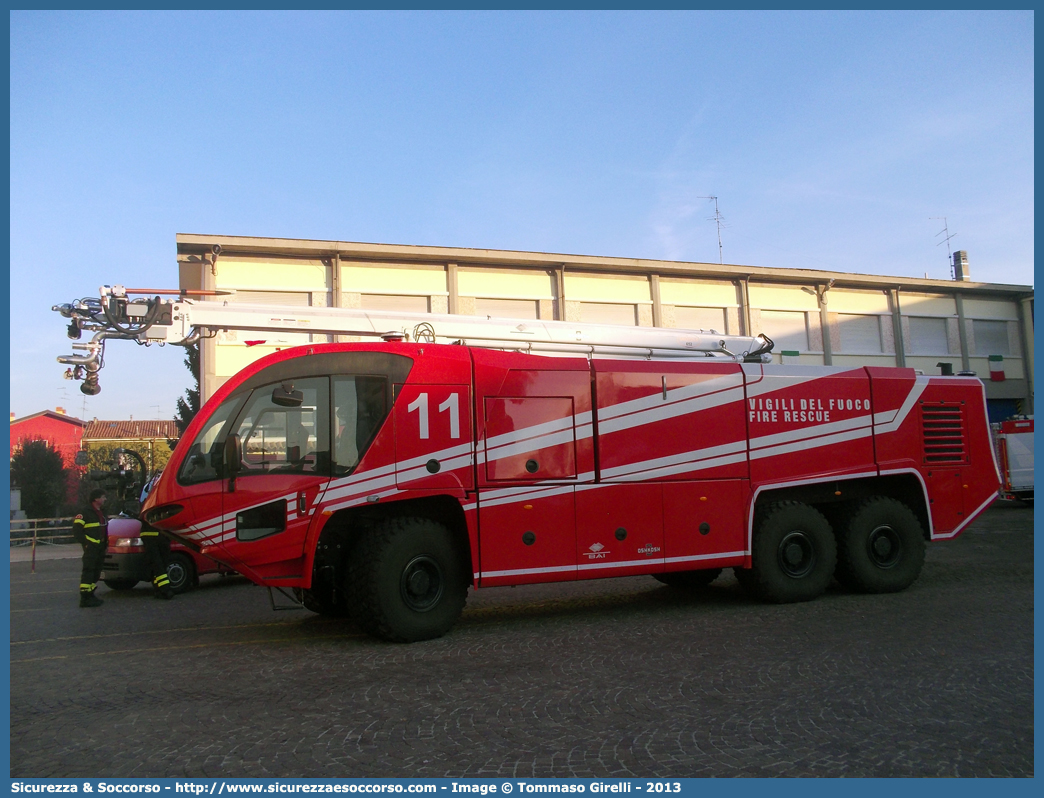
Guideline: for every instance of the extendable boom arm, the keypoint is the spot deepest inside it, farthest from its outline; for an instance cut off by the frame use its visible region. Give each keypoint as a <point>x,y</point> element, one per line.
<point>182,321</point>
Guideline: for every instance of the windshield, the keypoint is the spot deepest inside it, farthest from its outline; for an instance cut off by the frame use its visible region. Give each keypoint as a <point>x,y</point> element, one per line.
<point>203,461</point>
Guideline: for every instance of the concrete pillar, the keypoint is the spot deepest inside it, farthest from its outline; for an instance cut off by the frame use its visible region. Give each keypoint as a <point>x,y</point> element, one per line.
<point>335,280</point>
<point>962,330</point>
<point>208,382</point>
<point>824,323</point>
<point>560,309</point>
<point>743,292</point>
<point>657,308</point>
<point>1026,323</point>
<point>451,287</point>
<point>897,327</point>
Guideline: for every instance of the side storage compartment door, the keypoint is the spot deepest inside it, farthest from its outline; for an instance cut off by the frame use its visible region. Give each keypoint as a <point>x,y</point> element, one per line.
<point>534,446</point>
<point>529,438</point>
<point>619,530</point>
<point>527,537</point>
<point>672,440</point>
<point>705,523</point>
<point>946,490</point>
<point>664,421</point>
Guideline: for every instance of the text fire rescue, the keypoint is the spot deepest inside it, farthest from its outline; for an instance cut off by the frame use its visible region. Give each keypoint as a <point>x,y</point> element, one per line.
<point>808,411</point>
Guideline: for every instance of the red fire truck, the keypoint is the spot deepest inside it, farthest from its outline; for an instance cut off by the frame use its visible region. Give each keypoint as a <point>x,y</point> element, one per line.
<point>1013,440</point>
<point>384,479</point>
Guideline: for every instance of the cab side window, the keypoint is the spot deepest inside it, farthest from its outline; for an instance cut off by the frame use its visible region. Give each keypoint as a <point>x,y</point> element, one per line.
<point>275,438</point>
<point>360,407</point>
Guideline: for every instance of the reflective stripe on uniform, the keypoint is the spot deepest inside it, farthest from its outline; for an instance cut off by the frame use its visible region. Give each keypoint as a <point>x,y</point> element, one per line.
<point>92,540</point>
<point>148,534</point>
<point>161,580</point>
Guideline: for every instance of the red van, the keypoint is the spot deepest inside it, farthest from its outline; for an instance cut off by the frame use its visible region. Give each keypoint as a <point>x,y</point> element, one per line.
<point>125,564</point>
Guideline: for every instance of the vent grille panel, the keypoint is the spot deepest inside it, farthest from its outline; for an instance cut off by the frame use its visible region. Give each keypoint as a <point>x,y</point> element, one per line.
<point>942,425</point>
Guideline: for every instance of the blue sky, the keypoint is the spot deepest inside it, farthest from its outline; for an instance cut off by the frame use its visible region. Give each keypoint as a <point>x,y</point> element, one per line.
<point>829,138</point>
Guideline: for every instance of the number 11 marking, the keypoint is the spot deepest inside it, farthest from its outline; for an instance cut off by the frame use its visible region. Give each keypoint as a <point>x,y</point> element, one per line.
<point>420,404</point>
<point>452,404</point>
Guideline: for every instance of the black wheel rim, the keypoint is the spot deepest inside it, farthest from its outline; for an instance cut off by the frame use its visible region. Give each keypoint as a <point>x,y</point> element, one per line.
<point>421,584</point>
<point>884,546</point>
<point>176,575</point>
<point>796,554</point>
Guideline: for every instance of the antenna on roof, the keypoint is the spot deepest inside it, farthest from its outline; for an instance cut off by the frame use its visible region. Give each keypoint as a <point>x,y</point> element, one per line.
<point>945,231</point>
<point>718,219</point>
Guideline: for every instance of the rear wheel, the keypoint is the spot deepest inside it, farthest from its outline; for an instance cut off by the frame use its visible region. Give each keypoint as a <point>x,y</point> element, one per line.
<point>881,548</point>
<point>181,572</point>
<point>407,581</point>
<point>689,580</point>
<point>120,584</point>
<point>793,553</point>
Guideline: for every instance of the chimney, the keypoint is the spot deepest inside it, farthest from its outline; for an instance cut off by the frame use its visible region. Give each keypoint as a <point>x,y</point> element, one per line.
<point>60,410</point>
<point>12,416</point>
<point>960,266</point>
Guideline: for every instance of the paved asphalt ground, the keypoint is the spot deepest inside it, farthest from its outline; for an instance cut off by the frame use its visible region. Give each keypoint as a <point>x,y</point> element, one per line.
<point>608,678</point>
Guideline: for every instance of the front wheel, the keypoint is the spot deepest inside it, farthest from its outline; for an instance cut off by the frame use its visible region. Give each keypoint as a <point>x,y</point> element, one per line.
<point>881,548</point>
<point>407,580</point>
<point>181,572</point>
<point>793,553</point>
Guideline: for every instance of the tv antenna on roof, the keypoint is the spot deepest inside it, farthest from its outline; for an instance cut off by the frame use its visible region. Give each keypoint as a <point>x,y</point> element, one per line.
<point>718,219</point>
<point>945,232</point>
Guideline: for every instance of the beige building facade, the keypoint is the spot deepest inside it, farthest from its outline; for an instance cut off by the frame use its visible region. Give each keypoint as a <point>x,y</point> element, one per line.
<point>814,317</point>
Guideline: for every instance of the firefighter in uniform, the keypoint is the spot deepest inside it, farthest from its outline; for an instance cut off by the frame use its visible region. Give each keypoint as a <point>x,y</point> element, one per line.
<point>156,549</point>
<point>90,528</point>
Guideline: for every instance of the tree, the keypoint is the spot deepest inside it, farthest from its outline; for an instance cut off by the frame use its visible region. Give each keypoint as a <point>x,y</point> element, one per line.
<point>188,406</point>
<point>37,468</point>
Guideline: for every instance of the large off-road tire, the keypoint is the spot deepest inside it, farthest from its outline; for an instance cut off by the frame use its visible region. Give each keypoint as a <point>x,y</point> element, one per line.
<point>407,581</point>
<point>689,580</point>
<point>793,553</point>
<point>881,547</point>
<point>120,584</point>
<point>181,572</point>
